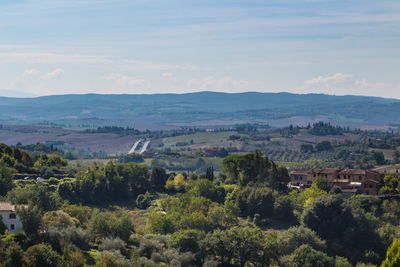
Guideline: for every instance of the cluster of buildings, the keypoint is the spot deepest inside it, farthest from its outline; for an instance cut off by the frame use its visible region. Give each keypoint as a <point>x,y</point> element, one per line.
<point>351,181</point>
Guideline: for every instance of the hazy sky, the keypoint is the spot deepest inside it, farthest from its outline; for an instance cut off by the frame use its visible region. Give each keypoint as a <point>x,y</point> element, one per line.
<point>146,46</point>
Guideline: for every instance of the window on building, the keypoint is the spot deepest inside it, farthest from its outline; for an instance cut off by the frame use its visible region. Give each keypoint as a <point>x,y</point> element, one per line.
<point>12,216</point>
<point>12,227</point>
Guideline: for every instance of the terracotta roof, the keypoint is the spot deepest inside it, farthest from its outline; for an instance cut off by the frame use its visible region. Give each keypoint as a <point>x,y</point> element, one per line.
<point>370,180</point>
<point>7,206</point>
<point>352,171</point>
<point>299,172</point>
<point>328,170</point>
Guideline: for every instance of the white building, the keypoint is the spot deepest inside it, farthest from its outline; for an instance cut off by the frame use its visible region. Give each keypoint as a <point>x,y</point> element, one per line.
<point>10,218</point>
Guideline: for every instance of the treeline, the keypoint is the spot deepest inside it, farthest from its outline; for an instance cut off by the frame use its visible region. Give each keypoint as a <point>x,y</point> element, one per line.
<point>37,163</point>
<point>114,129</point>
<point>113,182</point>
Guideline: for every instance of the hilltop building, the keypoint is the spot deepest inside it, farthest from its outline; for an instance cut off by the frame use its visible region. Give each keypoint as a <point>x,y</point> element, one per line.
<point>351,181</point>
<point>12,221</point>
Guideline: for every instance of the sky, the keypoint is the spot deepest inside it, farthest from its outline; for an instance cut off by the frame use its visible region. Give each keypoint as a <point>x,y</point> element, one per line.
<point>338,47</point>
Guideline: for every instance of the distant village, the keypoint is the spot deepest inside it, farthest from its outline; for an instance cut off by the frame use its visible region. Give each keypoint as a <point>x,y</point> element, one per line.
<point>350,181</point>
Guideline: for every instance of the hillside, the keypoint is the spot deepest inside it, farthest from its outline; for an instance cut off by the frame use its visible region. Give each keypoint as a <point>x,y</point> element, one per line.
<point>200,109</point>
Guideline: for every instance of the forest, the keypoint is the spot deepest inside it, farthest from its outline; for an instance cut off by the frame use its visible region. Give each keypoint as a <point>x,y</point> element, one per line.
<point>128,214</point>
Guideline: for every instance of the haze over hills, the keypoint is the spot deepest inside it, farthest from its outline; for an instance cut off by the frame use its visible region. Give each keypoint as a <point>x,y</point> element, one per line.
<point>200,109</point>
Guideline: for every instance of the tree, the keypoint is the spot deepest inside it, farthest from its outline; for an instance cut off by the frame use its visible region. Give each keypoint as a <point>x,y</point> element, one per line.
<point>6,179</point>
<point>43,198</point>
<point>158,178</point>
<point>225,216</point>
<point>58,219</point>
<point>328,217</point>
<point>210,173</point>
<point>280,178</point>
<point>111,243</point>
<point>324,146</point>
<point>143,201</point>
<point>306,256</point>
<point>253,167</point>
<point>41,255</point>
<point>379,157</point>
<point>283,209</point>
<point>160,223</point>
<point>339,224</point>
<point>237,245</point>
<point>252,200</point>
<point>287,241</point>
<point>342,262</point>
<point>303,199</point>
<point>307,148</point>
<point>31,219</point>
<point>392,255</point>
<point>185,240</point>
<point>396,156</point>
<point>14,255</point>
<point>82,213</point>
<point>3,227</point>
<point>112,258</point>
<point>206,188</point>
<point>323,183</point>
<point>66,190</point>
<point>178,184</point>
<point>73,258</point>
<point>105,224</point>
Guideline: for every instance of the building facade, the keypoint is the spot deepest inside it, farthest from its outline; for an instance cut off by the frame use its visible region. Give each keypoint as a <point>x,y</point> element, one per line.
<point>10,218</point>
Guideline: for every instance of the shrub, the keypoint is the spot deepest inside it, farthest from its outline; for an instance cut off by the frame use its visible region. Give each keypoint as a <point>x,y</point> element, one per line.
<point>143,201</point>
<point>111,243</point>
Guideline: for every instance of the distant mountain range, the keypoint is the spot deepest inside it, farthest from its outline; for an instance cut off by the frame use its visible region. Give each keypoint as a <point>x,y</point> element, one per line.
<point>200,109</point>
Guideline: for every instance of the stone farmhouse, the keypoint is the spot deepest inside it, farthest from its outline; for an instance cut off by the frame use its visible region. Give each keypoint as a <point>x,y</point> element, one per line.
<point>10,218</point>
<point>351,181</point>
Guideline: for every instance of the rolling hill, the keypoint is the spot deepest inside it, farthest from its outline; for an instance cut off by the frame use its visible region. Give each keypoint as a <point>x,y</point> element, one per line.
<point>200,109</point>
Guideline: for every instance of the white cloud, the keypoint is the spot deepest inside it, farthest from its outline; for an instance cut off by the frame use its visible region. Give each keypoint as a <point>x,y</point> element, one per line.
<point>169,77</point>
<point>226,84</point>
<point>26,76</point>
<point>39,57</point>
<point>136,65</point>
<point>53,74</point>
<point>330,80</point>
<point>30,72</point>
<point>123,80</point>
